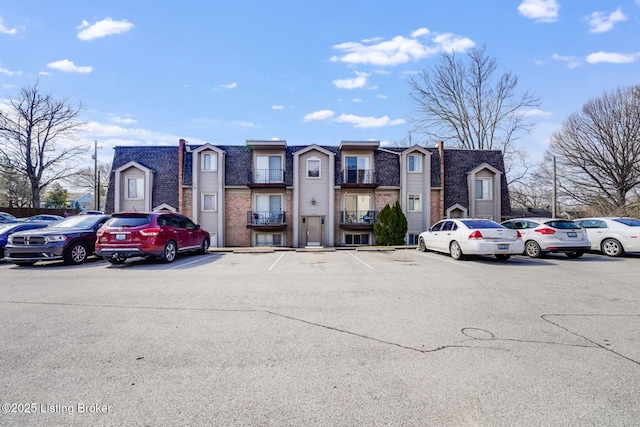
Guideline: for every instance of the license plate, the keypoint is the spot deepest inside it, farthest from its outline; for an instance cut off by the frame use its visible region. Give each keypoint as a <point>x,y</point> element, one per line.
<point>121,237</point>
<point>572,234</point>
<point>503,247</point>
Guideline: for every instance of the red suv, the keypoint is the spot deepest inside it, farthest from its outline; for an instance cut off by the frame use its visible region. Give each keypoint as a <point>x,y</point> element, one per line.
<point>149,234</point>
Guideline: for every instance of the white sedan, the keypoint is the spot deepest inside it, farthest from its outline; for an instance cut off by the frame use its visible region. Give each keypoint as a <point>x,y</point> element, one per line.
<point>613,236</point>
<point>467,236</point>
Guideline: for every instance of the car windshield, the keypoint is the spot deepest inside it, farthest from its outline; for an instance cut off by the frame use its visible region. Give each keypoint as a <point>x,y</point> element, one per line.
<point>631,222</point>
<point>563,224</point>
<point>476,223</point>
<point>79,221</point>
<point>128,220</point>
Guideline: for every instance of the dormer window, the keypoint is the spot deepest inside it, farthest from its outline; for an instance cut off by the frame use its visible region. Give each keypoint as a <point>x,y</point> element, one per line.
<point>415,163</point>
<point>313,168</point>
<point>209,162</point>
<point>135,188</point>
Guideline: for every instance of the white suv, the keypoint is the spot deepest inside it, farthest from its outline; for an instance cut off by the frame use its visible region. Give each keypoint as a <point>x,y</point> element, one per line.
<point>544,235</point>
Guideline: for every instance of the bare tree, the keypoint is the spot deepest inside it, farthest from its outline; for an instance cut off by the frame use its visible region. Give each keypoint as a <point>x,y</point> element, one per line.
<point>36,138</point>
<point>468,105</point>
<point>86,179</point>
<point>598,152</point>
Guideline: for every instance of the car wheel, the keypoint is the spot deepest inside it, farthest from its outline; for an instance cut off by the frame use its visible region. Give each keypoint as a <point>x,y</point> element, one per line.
<point>611,247</point>
<point>170,252</point>
<point>576,254</point>
<point>421,245</point>
<point>503,257</point>
<point>532,249</point>
<point>455,251</point>
<point>76,254</point>
<point>204,248</point>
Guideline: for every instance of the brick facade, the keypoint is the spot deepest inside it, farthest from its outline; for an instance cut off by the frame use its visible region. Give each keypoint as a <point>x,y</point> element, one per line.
<point>237,204</point>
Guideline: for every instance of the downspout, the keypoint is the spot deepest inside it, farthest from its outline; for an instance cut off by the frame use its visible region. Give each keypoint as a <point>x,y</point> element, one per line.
<point>181,146</point>
<point>442,187</point>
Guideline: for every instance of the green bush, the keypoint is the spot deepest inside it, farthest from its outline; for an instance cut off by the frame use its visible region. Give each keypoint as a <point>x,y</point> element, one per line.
<point>391,227</point>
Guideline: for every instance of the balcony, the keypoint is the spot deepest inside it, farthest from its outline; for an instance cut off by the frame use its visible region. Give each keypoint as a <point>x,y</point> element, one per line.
<point>267,220</point>
<point>266,178</point>
<point>358,220</point>
<point>358,178</point>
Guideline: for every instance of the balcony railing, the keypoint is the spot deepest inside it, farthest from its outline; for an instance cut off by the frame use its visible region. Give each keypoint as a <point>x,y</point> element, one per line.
<point>366,177</point>
<point>266,218</point>
<point>267,176</point>
<point>358,218</point>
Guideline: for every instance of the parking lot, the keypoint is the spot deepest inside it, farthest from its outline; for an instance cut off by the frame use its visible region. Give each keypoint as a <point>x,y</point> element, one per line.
<point>339,337</point>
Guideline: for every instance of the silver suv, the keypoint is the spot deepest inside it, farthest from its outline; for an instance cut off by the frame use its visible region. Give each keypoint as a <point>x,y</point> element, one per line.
<point>545,235</point>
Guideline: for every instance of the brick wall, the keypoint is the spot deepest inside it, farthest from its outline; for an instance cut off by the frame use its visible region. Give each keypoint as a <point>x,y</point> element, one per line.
<point>435,206</point>
<point>187,206</point>
<point>289,217</point>
<point>237,204</point>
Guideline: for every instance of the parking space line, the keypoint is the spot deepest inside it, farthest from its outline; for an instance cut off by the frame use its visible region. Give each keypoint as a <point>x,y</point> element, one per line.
<point>274,264</point>
<point>185,264</point>
<point>360,260</point>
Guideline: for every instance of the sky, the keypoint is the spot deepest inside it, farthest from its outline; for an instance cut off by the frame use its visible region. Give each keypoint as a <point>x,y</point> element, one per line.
<point>151,73</point>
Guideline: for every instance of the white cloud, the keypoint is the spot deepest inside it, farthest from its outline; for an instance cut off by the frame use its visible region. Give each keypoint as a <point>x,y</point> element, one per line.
<point>611,57</point>
<point>535,112</point>
<point>600,22</point>
<point>354,83</point>
<point>571,61</point>
<point>69,67</point>
<point>122,120</point>
<point>277,107</point>
<point>368,122</point>
<point>399,50</point>
<point>106,27</point>
<point>540,10</point>
<point>227,86</point>
<point>319,115</point>
<point>5,30</point>
<point>9,72</point>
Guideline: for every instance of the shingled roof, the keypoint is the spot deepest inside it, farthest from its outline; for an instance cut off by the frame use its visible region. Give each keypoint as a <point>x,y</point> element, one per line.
<point>163,161</point>
<point>238,162</point>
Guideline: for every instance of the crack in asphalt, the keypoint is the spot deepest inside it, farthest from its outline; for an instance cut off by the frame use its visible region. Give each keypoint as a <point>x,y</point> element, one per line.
<point>467,331</point>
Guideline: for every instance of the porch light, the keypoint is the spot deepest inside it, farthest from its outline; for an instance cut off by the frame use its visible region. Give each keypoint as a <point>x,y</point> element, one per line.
<point>313,201</point>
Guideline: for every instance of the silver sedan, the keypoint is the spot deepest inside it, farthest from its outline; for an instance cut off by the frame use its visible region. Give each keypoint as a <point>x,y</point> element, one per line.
<point>466,236</point>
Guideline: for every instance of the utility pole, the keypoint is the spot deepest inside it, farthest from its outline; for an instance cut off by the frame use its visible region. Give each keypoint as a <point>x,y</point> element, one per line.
<point>554,196</point>
<point>96,178</point>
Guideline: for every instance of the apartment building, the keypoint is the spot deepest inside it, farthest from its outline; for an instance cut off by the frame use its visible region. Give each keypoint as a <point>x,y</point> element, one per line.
<point>267,193</point>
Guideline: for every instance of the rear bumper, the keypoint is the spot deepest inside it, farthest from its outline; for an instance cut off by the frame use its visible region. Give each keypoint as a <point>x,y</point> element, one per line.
<point>124,253</point>
<point>481,247</point>
<point>577,248</point>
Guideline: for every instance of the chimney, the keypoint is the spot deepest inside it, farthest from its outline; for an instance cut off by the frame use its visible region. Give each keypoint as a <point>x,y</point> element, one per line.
<point>181,149</point>
<point>441,153</point>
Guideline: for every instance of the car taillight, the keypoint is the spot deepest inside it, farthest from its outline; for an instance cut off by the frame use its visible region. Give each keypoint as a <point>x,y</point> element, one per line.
<point>476,235</point>
<point>150,232</point>
<point>545,231</point>
<point>519,235</point>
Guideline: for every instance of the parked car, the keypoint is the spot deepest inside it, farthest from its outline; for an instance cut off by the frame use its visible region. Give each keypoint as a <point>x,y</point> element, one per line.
<point>13,227</point>
<point>43,217</point>
<point>159,235</point>
<point>467,236</point>
<point>71,239</point>
<point>613,236</point>
<point>544,235</point>
<point>7,217</point>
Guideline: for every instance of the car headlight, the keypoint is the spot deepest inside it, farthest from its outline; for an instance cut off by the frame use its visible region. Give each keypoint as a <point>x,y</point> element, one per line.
<point>56,238</point>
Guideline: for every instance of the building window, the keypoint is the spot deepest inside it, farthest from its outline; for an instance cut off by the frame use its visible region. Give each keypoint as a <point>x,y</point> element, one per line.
<point>313,168</point>
<point>135,189</point>
<point>356,239</point>
<point>414,203</point>
<point>415,163</point>
<point>268,239</point>
<point>358,170</point>
<point>268,169</point>
<point>209,202</point>
<point>209,162</point>
<point>484,189</point>
<point>413,238</point>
